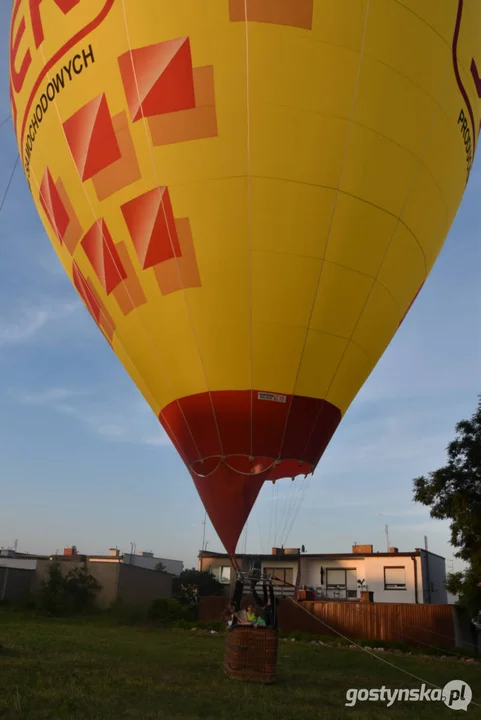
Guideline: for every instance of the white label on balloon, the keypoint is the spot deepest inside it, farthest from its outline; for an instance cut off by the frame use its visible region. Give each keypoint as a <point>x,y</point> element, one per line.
<point>272,397</point>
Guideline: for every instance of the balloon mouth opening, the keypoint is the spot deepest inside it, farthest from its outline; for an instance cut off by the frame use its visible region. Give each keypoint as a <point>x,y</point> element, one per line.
<point>270,468</point>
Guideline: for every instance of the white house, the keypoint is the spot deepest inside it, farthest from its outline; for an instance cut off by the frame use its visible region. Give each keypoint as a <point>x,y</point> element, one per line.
<point>402,577</point>
<point>149,561</point>
<point>19,561</point>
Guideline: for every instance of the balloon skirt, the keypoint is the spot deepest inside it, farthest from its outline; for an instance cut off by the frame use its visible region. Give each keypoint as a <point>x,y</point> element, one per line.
<point>251,654</point>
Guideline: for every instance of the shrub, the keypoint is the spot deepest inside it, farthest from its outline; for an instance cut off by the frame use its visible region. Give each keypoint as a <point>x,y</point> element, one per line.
<point>190,585</point>
<point>123,614</point>
<point>74,593</point>
<point>169,610</point>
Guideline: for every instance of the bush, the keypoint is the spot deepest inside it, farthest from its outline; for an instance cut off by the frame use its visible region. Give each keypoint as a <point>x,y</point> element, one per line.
<point>25,603</point>
<point>74,593</point>
<point>193,584</point>
<point>169,610</point>
<point>123,614</point>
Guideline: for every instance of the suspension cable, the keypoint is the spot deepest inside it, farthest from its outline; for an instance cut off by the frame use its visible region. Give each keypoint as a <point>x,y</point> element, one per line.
<point>4,197</point>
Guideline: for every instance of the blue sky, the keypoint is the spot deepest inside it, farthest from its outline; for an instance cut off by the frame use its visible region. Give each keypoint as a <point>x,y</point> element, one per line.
<point>83,460</point>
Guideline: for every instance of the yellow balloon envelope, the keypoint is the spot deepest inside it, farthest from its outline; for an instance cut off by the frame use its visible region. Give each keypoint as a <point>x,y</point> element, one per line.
<point>248,195</point>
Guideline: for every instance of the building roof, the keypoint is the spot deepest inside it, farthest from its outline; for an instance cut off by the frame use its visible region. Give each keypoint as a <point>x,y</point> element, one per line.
<point>312,556</point>
<point>79,557</point>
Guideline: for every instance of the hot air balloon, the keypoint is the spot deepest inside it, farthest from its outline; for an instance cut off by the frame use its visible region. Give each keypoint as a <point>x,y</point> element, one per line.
<point>247,195</point>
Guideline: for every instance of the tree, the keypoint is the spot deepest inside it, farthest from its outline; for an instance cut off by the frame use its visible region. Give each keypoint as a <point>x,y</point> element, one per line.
<point>160,567</point>
<point>454,492</point>
<point>81,588</point>
<point>190,585</point>
<point>73,593</point>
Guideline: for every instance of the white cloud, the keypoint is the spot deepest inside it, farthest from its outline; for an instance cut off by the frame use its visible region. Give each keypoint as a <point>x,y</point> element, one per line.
<point>161,440</point>
<point>127,420</point>
<point>412,512</point>
<point>28,321</point>
<point>51,397</point>
<point>111,431</point>
<point>430,526</point>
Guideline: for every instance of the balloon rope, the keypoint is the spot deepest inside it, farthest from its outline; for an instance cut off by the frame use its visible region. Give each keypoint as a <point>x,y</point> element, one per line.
<point>256,512</point>
<point>15,165</point>
<point>275,513</point>
<point>5,120</point>
<point>305,487</point>
<point>271,513</point>
<point>365,649</point>
<point>287,509</point>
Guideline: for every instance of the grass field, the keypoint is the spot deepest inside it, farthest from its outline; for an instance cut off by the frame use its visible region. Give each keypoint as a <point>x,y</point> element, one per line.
<point>86,669</point>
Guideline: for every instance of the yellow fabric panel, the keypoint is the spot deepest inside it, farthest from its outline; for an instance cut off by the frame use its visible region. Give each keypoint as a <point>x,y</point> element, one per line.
<point>447,169</point>
<point>378,322</point>
<point>425,214</point>
<point>439,16</point>
<point>468,44</point>
<point>272,370</point>
<point>442,17</point>
<point>367,171</point>
<point>339,23</point>
<point>404,267</point>
<point>313,156</point>
<point>283,287</point>
<point>321,358</point>
<point>345,290</point>
<point>393,106</point>
<point>389,25</point>
<point>286,59</point>
<point>352,372</point>
<point>282,211</point>
<point>317,199</point>
<point>360,234</point>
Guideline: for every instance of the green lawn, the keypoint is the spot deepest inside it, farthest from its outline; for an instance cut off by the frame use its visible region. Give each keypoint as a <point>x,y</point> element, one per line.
<point>92,669</point>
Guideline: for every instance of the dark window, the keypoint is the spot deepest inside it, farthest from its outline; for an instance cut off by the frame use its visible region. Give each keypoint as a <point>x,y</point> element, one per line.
<point>285,575</point>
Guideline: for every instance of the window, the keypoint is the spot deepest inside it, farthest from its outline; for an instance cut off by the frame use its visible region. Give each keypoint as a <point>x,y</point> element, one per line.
<point>336,579</point>
<point>285,575</point>
<point>221,573</point>
<point>394,578</point>
<point>342,582</point>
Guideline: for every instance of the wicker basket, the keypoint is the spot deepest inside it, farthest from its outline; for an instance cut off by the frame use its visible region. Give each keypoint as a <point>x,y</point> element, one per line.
<point>251,654</point>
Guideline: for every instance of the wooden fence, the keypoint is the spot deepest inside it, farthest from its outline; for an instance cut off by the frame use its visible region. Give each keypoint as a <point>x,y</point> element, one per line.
<point>420,625</point>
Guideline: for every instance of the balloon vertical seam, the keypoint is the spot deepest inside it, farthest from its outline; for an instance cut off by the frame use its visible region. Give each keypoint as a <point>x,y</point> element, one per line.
<point>249,230</point>
<point>348,134</point>
<point>170,239</point>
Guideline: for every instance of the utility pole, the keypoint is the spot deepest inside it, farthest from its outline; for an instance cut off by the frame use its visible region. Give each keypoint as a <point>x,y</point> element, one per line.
<point>428,575</point>
<point>245,537</point>
<point>386,530</point>
<point>203,531</point>
<point>203,541</point>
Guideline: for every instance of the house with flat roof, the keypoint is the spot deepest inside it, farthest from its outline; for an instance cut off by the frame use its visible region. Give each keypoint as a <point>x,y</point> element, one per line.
<point>416,576</point>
